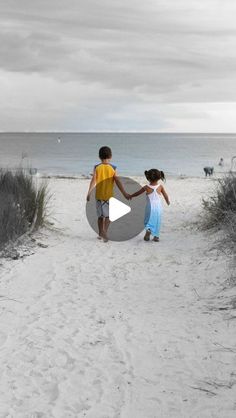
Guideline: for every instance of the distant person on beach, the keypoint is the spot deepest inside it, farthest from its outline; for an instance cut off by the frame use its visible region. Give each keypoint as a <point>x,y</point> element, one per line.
<point>221,162</point>
<point>209,171</point>
<point>153,211</point>
<point>104,177</point>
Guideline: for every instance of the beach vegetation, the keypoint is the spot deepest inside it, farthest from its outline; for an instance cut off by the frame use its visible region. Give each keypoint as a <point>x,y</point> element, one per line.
<point>220,208</point>
<point>23,204</point>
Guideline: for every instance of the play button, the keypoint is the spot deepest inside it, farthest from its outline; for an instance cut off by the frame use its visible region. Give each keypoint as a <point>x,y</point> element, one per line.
<point>117,209</point>
<point>126,216</point>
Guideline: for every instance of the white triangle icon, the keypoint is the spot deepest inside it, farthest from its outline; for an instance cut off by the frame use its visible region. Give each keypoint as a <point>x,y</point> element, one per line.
<point>117,209</point>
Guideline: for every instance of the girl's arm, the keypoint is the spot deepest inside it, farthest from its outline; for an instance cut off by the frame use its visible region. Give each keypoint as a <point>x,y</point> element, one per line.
<point>92,185</point>
<point>142,190</point>
<point>166,197</point>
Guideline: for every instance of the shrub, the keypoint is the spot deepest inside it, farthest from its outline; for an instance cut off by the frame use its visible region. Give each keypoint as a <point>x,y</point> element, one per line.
<point>231,229</point>
<point>220,208</point>
<point>22,204</point>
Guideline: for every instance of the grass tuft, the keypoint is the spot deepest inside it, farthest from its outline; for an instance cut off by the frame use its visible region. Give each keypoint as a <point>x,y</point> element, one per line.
<point>23,205</point>
<point>220,209</point>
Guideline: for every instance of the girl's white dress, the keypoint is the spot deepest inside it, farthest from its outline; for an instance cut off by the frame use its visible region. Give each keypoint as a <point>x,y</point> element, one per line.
<point>153,211</point>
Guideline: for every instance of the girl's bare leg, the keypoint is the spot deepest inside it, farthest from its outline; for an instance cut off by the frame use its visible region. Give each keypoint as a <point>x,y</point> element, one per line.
<point>147,235</point>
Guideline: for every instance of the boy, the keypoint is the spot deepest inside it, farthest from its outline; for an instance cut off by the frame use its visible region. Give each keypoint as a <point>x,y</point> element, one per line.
<point>104,176</point>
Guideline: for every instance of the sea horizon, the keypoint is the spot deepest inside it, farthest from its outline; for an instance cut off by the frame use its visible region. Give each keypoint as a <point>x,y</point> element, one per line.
<point>76,153</point>
<point>120,132</point>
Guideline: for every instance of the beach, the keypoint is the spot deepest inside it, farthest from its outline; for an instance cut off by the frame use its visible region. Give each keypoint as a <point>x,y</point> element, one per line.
<point>120,329</point>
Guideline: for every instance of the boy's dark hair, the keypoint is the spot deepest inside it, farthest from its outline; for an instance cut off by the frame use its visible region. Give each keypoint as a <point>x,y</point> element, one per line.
<point>154,175</point>
<point>105,153</point>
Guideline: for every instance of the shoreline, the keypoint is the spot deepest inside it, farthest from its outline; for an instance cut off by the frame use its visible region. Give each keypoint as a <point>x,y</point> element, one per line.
<point>168,176</point>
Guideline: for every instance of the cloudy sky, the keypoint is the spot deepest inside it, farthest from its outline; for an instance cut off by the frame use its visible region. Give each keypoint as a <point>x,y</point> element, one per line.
<point>118,65</point>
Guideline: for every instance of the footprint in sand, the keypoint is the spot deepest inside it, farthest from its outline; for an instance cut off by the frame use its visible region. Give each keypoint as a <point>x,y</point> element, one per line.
<point>3,338</point>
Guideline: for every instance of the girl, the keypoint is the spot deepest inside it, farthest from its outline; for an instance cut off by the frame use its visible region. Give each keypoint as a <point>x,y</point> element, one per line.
<point>153,211</point>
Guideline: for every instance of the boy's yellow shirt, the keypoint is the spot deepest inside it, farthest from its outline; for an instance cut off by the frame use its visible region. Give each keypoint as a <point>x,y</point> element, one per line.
<point>104,189</point>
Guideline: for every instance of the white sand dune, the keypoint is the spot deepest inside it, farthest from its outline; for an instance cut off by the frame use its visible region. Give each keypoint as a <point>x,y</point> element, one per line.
<point>118,330</point>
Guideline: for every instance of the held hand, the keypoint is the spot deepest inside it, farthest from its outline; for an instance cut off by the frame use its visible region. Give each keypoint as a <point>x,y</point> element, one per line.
<point>127,196</point>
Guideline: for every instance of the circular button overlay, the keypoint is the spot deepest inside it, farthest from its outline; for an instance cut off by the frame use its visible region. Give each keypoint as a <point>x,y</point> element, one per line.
<point>127,215</point>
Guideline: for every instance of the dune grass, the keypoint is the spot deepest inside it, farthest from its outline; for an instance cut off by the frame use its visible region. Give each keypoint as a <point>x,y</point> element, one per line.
<point>23,205</point>
<point>220,209</point>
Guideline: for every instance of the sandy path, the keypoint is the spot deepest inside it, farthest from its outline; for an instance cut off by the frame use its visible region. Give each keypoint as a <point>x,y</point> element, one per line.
<point>114,330</point>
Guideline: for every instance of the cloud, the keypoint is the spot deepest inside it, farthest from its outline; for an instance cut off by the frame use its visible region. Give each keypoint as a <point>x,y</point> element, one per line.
<point>123,54</point>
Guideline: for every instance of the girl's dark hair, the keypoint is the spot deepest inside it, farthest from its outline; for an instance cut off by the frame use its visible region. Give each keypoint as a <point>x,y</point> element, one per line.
<point>154,175</point>
<point>105,153</point>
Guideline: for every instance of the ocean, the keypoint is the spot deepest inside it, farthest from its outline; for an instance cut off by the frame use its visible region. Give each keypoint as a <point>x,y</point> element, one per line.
<point>76,153</point>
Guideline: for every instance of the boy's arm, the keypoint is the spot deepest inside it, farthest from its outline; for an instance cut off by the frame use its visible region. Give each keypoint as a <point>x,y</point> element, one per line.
<point>120,186</point>
<point>166,197</point>
<point>142,190</point>
<point>92,185</point>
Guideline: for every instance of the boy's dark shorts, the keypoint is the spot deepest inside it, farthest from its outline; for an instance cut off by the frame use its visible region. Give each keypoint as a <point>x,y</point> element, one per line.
<point>102,207</point>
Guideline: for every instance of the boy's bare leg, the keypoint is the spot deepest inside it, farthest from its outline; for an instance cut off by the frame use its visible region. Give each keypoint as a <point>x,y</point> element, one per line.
<point>106,226</point>
<point>100,228</point>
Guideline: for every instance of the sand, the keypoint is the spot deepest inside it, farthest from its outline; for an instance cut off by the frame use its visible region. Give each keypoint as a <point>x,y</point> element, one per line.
<point>128,329</point>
